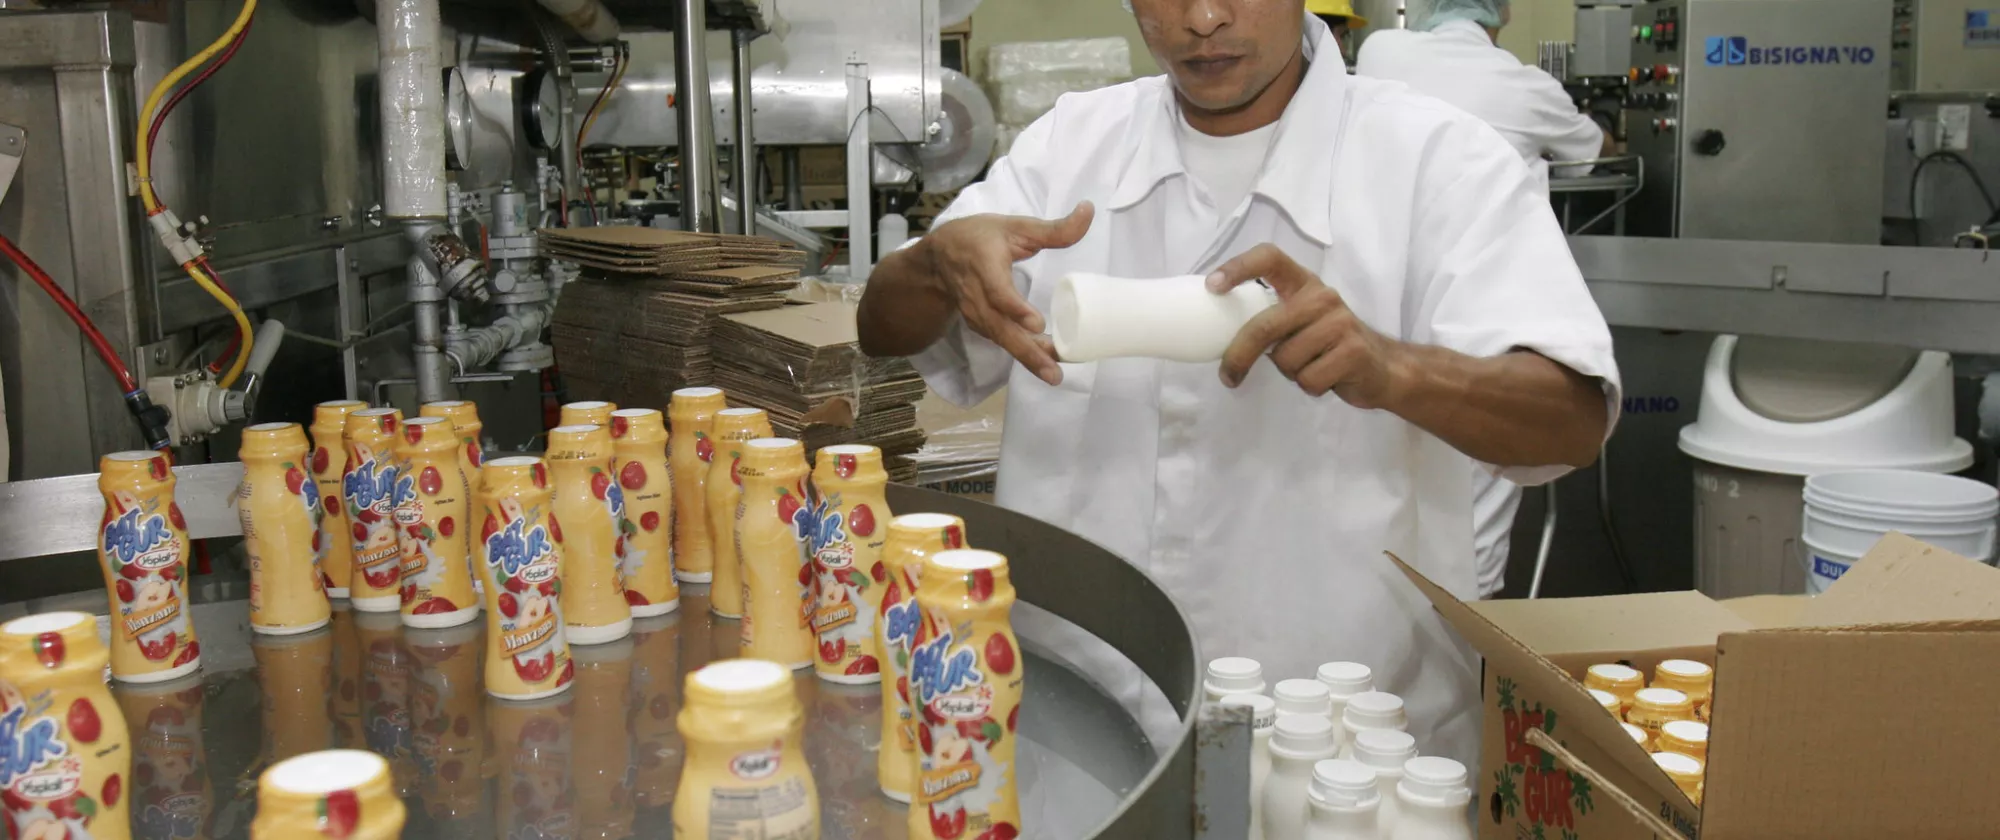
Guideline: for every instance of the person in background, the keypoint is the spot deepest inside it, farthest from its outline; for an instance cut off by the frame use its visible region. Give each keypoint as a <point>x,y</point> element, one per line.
<point>1339,17</point>
<point>1452,55</point>
<point>1429,315</point>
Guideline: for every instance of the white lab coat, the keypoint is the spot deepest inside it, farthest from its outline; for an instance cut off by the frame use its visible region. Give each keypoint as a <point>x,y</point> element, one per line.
<point>1264,511</point>
<point>1458,63</point>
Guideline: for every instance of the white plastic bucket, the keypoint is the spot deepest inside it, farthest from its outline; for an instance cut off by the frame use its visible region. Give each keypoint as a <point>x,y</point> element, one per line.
<point>1847,512</point>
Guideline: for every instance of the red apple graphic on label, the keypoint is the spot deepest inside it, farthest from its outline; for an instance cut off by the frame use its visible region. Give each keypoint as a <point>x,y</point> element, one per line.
<point>321,459</point>
<point>388,424</point>
<point>446,527</point>
<point>49,647</point>
<point>619,426</point>
<point>735,473</point>
<point>125,593</point>
<point>491,527</point>
<point>788,506</point>
<point>633,598</point>
<point>1000,655</point>
<point>862,522</point>
<point>979,584</point>
<point>383,577</point>
<point>555,528</point>
<point>435,606</point>
<point>954,536</point>
<point>342,813</point>
<point>540,474</point>
<point>157,467</point>
<point>568,673</point>
<point>879,572</point>
<point>174,515</point>
<point>632,475</point>
<point>703,448</point>
<point>295,480</point>
<point>843,466</point>
<point>832,651</point>
<point>865,665</point>
<point>1013,717</point>
<point>650,520</point>
<point>600,484</point>
<point>332,505</point>
<point>84,724</point>
<point>430,481</point>
<point>413,433</point>
<point>1001,831</point>
<point>188,654</point>
<point>472,453</point>
<point>113,786</point>
<point>947,826</point>
<point>508,606</point>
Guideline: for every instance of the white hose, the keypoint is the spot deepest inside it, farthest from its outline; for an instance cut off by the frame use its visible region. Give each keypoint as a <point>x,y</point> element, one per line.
<point>1096,317</point>
<point>411,103</point>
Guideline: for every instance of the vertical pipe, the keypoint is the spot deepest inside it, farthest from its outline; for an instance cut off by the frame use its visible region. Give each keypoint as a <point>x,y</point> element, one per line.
<point>860,176</point>
<point>701,208</point>
<point>426,332</point>
<point>411,105</point>
<point>795,192</point>
<point>746,140</point>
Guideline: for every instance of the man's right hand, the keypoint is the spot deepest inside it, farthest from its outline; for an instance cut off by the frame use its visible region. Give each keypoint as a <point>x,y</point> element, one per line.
<point>972,261</point>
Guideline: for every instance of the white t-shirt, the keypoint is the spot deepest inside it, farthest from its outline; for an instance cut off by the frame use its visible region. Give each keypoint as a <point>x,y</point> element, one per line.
<point>1226,167</point>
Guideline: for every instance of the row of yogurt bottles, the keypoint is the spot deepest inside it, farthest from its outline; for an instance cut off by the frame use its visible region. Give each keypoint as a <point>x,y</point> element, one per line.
<point>1331,759</point>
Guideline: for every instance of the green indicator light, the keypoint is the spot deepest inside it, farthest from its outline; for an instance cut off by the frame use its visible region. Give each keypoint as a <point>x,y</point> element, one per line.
<point>1645,33</point>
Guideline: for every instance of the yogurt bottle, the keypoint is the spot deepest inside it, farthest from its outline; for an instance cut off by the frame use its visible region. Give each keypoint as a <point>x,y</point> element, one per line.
<point>589,522</point>
<point>1687,737</point>
<point>1620,680</point>
<point>746,772</point>
<point>1609,702</point>
<point>447,712</point>
<point>656,700</point>
<point>601,740</point>
<point>373,490</point>
<point>1370,710</point>
<point>846,547</point>
<point>170,794</point>
<point>1639,736</point>
<point>1653,707</point>
<point>965,685</point>
<point>1432,798</point>
<point>1232,675</point>
<point>587,413</point>
<point>533,765</point>
<point>278,506</point>
<point>295,679</point>
<point>1263,719</point>
<point>911,538</point>
<point>1385,751</point>
<point>731,428</point>
<point>67,760</point>
<point>1694,679</point>
<point>436,578</point>
<point>336,793</point>
<point>1297,743</point>
<point>385,697</point>
<point>344,702</point>
<point>639,459</point>
<point>1305,697</point>
<point>329,465</point>
<point>1685,771</point>
<point>464,417</point>
<point>527,653</point>
<point>142,548</point>
<point>691,411</point>
<point>771,545</point>
<point>1344,680</point>
<point>1343,800</point>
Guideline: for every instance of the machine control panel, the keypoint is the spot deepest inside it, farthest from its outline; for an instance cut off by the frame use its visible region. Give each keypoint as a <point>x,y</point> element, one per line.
<point>1662,31</point>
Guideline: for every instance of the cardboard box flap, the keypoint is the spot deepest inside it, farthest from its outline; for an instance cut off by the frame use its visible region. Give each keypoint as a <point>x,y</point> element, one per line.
<point>1564,696</point>
<point>1903,580</point>
<point>1768,610</point>
<point>1614,623</point>
<point>1841,732</point>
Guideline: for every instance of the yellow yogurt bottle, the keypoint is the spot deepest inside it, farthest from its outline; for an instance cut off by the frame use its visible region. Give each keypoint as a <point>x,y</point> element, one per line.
<point>67,760</point>
<point>142,548</point>
<point>1687,737</point>
<point>639,459</point>
<point>1653,707</point>
<point>1685,770</point>
<point>1621,681</point>
<point>746,772</point>
<point>464,417</point>
<point>527,653</point>
<point>691,411</point>
<point>912,537</point>
<point>335,793</point>
<point>1694,679</point>
<point>770,540</point>
<point>278,506</point>
<point>731,428</point>
<point>373,489</point>
<point>590,524</point>
<point>849,575</point>
<point>329,465</point>
<point>437,583</point>
<point>586,413</point>
<point>965,687</point>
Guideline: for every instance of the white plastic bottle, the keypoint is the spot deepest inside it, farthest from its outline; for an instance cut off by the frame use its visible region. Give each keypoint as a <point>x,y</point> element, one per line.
<point>1263,717</point>
<point>1297,743</point>
<point>1433,799</point>
<point>1370,710</point>
<point>1344,680</point>
<point>1233,675</point>
<point>1384,751</point>
<point>1343,800</point>
<point>1305,697</point>
<point>891,231</point>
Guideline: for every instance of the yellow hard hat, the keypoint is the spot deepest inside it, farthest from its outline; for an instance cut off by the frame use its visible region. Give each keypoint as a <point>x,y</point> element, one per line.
<point>1337,8</point>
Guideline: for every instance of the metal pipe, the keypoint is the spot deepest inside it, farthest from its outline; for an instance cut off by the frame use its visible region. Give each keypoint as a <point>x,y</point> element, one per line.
<point>1548,541</point>
<point>475,348</point>
<point>795,192</point>
<point>860,175</point>
<point>701,208</point>
<point>746,140</point>
<point>426,334</point>
<point>411,108</point>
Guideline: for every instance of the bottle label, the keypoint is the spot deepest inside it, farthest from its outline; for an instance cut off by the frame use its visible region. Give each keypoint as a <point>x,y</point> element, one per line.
<point>37,764</point>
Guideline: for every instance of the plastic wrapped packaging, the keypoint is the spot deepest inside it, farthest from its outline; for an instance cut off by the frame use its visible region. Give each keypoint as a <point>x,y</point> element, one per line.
<point>960,443</point>
<point>1109,57</point>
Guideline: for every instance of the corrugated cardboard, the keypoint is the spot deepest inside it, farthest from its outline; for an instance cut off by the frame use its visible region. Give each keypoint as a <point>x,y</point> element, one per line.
<point>1866,713</point>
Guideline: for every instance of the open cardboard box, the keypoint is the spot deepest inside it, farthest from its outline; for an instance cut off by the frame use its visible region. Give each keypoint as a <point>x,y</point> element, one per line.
<point>1870,711</point>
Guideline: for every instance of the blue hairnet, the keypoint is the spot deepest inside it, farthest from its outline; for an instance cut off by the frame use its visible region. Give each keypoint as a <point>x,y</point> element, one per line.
<point>1483,12</point>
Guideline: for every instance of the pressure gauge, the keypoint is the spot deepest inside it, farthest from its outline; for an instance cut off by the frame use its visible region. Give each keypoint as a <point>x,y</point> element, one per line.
<point>457,122</point>
<point>541,117</point>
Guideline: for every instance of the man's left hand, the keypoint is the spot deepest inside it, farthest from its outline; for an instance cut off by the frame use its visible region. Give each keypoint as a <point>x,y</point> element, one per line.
<point>1311,335</point>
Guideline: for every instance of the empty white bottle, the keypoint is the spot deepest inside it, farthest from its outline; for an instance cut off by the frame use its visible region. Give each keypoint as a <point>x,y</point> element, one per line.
<point>1384,751</point>
<point>1233,675</point>
<point>1344,680</point>
<point>1370,710</point>
<point>1297,743</point>
<point>1343,800</point>
<point>1433,799</point>
<point>1305,697</point>
<point>1263,717</point>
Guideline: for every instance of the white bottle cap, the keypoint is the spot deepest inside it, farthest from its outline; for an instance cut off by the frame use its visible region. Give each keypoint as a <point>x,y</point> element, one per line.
<point>1434,780</point>
<point>1263,710</point>
<point>1639,736</point>
<point>1691,731</point>
<point>1686,668</point>
<point>1659,697</point>
<point>1615,672</point>
<point>1346,679</point>
<point>1671,762</point>
<point>1345,784</point>
<point>1374,710</point>
<point>1604,698</point>
<point>1303,697</point>
<point>1302,735</point>
<point>1234,675</point>
<point>1384,750</point>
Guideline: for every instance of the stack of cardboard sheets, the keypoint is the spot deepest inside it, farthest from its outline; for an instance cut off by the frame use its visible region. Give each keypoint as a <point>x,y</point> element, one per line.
<point>803,365</point>
<point>636,325</point>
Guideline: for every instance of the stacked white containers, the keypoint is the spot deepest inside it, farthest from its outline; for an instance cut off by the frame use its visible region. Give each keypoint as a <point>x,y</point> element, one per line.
<point>1432,797</point>
<point>1384,752</point>
<point>1371,710</point>
<point>1343,799</point>
<point>1297,743</point>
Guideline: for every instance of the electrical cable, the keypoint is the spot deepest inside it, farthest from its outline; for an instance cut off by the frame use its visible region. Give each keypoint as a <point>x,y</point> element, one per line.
<point>1917,221</point>
<point>160,119</point>
<point>590,118</point>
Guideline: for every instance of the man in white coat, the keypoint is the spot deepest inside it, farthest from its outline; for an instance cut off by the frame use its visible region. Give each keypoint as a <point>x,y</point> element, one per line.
<point>1452,54</point>
<point>1430,311</point>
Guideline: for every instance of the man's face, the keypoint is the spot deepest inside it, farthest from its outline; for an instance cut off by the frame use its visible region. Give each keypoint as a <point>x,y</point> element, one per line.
<point>1221,53</point>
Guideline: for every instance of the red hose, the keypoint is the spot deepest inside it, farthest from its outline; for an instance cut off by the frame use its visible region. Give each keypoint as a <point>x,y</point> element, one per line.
<point>83,322</point>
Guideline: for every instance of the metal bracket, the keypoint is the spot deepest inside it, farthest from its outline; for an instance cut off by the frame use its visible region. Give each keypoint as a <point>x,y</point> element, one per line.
<point>13,144</point>
<point>1222,772</point>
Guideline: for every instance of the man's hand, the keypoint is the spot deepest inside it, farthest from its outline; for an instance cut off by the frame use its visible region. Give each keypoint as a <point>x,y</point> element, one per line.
<point>1311,335</point>
<point>972,261</point>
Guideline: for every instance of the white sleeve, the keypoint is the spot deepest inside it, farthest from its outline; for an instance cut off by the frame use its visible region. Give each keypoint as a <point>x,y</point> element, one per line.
<point>964,367</point>
<point>1495,271</point>
<point>1564,132</point>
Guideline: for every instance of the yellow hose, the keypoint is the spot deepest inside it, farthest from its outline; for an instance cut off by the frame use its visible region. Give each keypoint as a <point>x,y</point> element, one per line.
<point>152,200</point>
